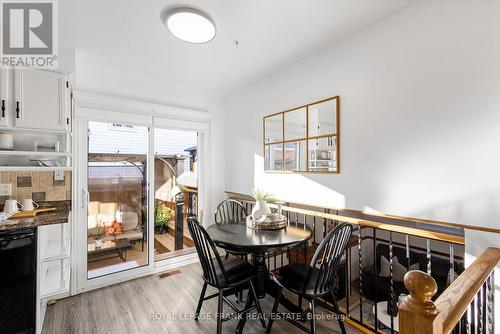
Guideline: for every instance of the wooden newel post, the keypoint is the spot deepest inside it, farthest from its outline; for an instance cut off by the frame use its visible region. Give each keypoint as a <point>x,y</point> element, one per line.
<point>418,314</point>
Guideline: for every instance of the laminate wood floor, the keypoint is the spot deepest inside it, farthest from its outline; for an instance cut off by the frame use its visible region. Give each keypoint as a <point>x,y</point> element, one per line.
<point>154,305</point>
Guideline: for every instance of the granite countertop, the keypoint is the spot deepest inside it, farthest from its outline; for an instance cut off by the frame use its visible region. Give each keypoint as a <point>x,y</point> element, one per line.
<point>58,217</point>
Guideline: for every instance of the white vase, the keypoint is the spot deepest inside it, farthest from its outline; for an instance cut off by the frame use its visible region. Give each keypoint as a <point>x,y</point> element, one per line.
<point>260,208</point>
<point>98,243</point>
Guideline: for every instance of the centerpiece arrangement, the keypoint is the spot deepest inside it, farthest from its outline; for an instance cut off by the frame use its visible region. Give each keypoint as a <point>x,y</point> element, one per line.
<point>262,218</point>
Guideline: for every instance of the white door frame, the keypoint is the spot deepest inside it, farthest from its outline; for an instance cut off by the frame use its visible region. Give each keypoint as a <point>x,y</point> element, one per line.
<point>94,111</point>
<point>202,128</point>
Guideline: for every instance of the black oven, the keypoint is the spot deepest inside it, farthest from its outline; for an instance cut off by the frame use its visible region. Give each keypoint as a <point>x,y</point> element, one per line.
<point>18,281</point>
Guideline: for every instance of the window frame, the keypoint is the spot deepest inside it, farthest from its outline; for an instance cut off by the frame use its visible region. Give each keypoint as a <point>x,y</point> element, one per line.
<point>306,139</point>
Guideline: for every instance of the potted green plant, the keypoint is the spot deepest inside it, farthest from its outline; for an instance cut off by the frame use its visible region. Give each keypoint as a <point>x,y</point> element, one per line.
<point>163,215</point>
<point>262,199</point>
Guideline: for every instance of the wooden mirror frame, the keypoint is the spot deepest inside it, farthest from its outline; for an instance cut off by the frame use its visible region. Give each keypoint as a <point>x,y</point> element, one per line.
<point>306,139</point>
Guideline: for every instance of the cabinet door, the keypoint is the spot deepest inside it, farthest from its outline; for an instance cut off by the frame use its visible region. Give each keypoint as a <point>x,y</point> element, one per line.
<point>5,105</point>
<point>40,100</point>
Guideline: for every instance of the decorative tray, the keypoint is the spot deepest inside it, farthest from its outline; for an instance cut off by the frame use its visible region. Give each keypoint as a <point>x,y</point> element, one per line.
<point>267,222</point>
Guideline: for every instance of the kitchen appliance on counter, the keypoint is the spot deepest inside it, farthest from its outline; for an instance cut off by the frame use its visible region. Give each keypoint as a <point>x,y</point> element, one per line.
<point>18,281</point>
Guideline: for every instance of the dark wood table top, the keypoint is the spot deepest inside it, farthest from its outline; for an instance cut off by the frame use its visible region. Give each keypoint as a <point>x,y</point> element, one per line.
<point>238,237</point>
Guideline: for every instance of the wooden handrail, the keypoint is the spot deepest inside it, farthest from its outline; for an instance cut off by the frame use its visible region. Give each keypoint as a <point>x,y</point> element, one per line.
<point>418,314</point>
<point>389,216</point>
<point>453,302</point>
<point>455,239</point>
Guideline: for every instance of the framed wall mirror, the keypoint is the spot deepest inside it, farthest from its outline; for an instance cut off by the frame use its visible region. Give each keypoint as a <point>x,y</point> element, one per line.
<point>304,139</point>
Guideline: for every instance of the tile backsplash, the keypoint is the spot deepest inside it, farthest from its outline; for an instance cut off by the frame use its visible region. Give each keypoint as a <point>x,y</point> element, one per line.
<point>40,186</point>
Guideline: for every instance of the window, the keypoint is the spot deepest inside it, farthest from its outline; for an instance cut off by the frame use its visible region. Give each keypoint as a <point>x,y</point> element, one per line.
<point>303,139</point>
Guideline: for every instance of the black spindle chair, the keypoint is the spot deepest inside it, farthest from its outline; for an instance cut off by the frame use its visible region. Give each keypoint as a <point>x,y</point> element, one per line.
<point>317,279</point>
<point>230,211</point>
<point>228,275</point>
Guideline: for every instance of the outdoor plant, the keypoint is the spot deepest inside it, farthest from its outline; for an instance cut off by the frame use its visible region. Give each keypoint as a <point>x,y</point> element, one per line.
<point>262,196</point>
<point>163,214</point>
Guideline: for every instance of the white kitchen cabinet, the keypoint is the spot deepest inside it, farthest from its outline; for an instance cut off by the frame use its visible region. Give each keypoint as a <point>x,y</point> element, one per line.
<point>53,266</point>
<point>5,98</point>
<point>40,100</point>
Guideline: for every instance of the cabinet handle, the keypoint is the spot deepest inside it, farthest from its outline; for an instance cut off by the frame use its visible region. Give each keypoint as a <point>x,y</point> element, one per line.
<point>17,109</point>
<point>3,108</point>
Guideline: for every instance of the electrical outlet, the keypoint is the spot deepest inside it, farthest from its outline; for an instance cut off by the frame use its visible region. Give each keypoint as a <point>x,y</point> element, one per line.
<point>5,189</point>
<point>58,175</point>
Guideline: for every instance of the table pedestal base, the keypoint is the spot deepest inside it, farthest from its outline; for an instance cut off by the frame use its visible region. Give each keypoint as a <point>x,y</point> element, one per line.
<point>264,285</point>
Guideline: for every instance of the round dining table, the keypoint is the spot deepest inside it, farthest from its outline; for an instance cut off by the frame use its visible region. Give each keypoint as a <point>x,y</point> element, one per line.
<point>237,237</point>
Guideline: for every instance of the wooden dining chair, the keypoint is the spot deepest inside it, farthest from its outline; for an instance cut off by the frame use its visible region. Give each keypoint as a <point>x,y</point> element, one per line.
<point>228,275</point>
<point>317,279</point>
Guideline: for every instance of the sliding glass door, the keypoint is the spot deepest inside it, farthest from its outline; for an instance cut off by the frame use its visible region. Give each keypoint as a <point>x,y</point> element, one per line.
<point>139,178</point>
<point>117,199</point>
<point>175,192</point>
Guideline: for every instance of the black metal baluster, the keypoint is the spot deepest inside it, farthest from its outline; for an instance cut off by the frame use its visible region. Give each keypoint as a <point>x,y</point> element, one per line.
<point>407,248</point>
<point>479,306</point>
<point>347,281</point>
<point>462,324</point>
<point>375,275</point>
<point>360,256</point>
<point>314,230</point>
<point>428,257</point>
<point>473,316</point>
<point>483,298</point>
<point>492,276</point>
<point>466,318</point>
<point>451,272</point>
<point>305,243</point>
<point>391,280</point>
<point>489,310</point>
<point>288,255</point>
<point>324,225</point>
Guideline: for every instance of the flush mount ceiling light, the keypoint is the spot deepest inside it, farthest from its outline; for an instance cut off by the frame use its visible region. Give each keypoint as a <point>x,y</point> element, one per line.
<point>190,25</point>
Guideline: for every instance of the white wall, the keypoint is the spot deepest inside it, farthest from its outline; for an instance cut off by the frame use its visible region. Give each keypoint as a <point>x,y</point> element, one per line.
<point>420,117</point>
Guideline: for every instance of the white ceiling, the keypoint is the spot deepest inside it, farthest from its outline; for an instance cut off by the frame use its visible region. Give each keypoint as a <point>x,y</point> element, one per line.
<point>128,35</point>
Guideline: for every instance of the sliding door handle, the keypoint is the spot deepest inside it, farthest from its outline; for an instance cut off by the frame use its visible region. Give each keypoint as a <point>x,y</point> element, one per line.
<point>3,108</point>
<point>17,109</point>
<point>85,198</point>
